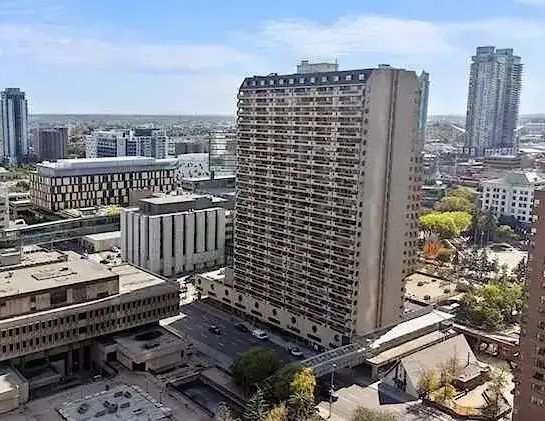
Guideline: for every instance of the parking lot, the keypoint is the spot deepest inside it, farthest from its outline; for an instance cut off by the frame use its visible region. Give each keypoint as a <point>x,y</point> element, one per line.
<point>196,318</point>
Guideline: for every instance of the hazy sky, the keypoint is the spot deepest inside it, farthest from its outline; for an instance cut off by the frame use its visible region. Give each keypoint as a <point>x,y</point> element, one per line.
<point>189,57</point>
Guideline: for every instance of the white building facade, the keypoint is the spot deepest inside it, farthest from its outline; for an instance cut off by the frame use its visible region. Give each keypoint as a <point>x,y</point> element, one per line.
<point>512,195</point>
<point>173,235</point>
<point>146,142</point>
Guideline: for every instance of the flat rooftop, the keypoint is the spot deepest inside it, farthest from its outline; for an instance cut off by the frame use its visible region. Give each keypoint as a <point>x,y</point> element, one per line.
<point>131,278</point>
<point>112,235</point>
<point>161,205</point>
<point>43,277</point>
<point>410,326</point>
<point>90,166</point>
<point>150,343</point>
<point>131,403</point>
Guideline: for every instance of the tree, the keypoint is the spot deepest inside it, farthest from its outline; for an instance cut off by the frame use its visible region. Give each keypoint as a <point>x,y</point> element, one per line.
<point>254,366</point>
<point>428,382</point>
<point>450,371</point>
<point>301,407</point>
<point>498,383</point>
<point>446,224</point>
<point>366,414</point>
<point>462,193</point>
<point>256,408</point>
<point>278,413</point>
<point>445,393</point>
<point>454,204</point>
<point>304,381</point>
<point>483,227</point>
<point>224,414</point>
<point>281,385</point>
<point>505,233</point>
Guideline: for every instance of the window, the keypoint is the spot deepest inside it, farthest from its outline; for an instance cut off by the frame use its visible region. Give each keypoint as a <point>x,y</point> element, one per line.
<point>336,78</point>
<point>324,78</point>
<point>348,77</point>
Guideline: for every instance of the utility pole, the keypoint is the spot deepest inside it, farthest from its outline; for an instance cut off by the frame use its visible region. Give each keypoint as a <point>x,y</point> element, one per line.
<point>331,389</point>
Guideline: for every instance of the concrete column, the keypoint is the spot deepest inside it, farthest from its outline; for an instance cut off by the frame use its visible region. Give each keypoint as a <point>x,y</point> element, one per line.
<point>144,241</point>
<point>123,226</point>
<point>167,245</point>
<point>179,252</point>
<point>200,231</point>
<point>189,241</point>
<point>135,222</point>
<point>154,244</point>
<point>210,230</point>
<point>130,238</point>
<point>220,228</point>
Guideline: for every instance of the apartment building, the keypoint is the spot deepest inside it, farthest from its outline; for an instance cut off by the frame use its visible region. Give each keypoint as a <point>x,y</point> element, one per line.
<point>54,310</point>
<point>172,235</point>
<point>530,372</point>
<point>495,82</point>
<point>328,194</point>
<point>50,144</point>
<point>147,142</point>
<point>79,183</point>
<point>511,195</point>
<point>14,125</point>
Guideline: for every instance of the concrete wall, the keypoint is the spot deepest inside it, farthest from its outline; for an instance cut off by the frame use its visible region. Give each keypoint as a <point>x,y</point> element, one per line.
<point>174,243</point>
<point>386,191</point>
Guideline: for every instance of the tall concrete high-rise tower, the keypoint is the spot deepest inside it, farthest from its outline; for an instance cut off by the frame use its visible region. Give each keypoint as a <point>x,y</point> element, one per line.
<point>328,194</point>
<point>14,125</point>
<point>493,102</point>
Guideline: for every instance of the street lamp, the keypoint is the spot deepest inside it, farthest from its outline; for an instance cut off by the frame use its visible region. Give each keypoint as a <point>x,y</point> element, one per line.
<point>331,390</point>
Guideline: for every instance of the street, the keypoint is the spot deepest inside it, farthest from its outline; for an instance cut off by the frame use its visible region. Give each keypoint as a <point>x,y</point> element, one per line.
<point>197,317</point>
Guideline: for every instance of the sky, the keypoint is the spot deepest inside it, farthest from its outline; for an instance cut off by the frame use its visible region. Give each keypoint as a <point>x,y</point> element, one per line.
<point>189,57</point>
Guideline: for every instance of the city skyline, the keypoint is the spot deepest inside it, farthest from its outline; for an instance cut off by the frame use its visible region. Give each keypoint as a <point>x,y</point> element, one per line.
<point>99,58</point>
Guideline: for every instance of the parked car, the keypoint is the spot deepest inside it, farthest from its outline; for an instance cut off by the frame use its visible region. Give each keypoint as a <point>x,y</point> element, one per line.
<point>242,327</point>
<point>260,334</point>
<point>296,352</point>
<point>215,330</point>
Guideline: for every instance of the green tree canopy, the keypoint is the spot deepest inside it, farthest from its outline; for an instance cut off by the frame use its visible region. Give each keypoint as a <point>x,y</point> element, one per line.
<point>281,385</point>
<point>493,305</point>
<point>366,414</point>
<point>462,193</point>
<point>256,408</point>
<point>428,382</point>
<point>278,413</point>
<point>254,366</point>
<point>304,381</point>
<point>454,204</point>
<point>446,224</point>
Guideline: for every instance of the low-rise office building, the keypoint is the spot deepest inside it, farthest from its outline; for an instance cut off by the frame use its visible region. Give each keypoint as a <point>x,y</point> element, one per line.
<point>172,235</point>
<point>80,183</point>
<point>53,313</point>
<point>511,195</point>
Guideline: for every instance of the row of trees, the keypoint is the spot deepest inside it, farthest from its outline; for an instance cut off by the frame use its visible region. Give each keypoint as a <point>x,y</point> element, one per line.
<point>496,304</point>
<point>288,397</point>
<point>438,385</point>
<point>452,214</point>
<point>289,394</point>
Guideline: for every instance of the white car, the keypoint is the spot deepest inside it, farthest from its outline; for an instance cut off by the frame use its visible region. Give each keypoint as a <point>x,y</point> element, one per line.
<point>260,334</point>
